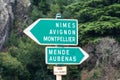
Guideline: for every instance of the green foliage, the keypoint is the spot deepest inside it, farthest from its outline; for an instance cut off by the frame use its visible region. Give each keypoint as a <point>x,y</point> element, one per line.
<point>32,58</point>
<point>8,61</point>
<point>1,78</point>
<point>11,66</point>
<point>96,18</point>
<point>113,10</point>
<point>95,3</point>
<point>95,74</point>
<point>39,9</point>
<point>54,8</point>
<point>25,60</point>
<point>36,13</point>
<point>12,39</point>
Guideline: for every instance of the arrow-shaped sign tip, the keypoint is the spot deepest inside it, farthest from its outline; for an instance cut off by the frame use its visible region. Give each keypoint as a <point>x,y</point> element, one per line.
<point>86,55</point>
<point>27,31</point>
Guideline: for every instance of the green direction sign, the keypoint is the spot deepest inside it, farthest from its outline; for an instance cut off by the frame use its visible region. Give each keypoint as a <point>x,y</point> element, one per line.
<point>54,31</point>
<point>65,55</point>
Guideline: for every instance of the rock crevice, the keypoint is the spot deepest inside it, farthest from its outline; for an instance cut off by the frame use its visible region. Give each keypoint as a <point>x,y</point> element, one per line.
<point>6,19</point>
<point>10,9</point>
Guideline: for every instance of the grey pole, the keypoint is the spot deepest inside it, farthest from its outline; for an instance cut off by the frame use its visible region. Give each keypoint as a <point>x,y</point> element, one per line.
<point>58,16</point>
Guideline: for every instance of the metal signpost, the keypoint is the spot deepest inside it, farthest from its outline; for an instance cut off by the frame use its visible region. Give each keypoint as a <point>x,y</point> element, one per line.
<point>58,76</point>
<point>58,32</point>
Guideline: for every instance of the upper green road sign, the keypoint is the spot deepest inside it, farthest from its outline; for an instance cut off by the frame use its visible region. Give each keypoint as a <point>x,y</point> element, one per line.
<point>65,55</point>
<point>54,31</point>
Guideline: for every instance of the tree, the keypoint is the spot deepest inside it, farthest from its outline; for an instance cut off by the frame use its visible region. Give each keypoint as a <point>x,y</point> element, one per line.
<point>96,18</point>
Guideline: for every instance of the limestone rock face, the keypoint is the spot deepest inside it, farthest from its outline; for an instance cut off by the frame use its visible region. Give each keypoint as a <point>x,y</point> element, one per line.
<point>10,10</point>
<point>6,19</point>
<point>105,52</point>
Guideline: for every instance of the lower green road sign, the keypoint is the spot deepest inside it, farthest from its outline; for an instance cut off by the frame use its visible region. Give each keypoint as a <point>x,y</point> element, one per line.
<point>65,55</point>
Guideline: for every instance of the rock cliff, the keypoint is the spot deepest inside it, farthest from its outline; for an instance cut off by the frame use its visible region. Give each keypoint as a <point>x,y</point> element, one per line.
<point>9,10</point>
<point>6,19</point>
